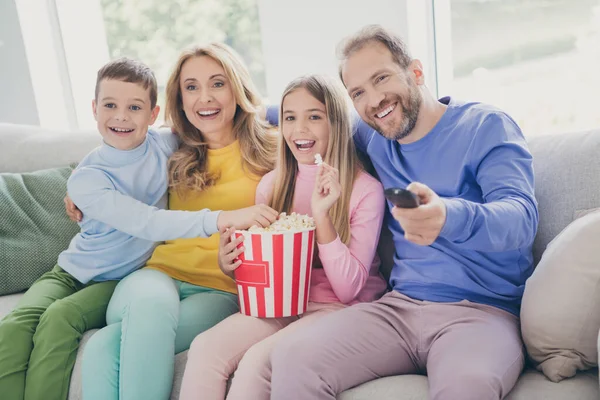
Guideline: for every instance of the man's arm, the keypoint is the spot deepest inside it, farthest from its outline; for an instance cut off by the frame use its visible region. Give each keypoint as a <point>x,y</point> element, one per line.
<point>508,217</point>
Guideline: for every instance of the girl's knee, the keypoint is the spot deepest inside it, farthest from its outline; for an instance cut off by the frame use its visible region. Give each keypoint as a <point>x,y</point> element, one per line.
<point>256,358</point>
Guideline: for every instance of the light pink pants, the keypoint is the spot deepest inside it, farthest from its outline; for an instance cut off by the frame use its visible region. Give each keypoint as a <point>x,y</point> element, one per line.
<point>469,351</point>
<point>240,344</point>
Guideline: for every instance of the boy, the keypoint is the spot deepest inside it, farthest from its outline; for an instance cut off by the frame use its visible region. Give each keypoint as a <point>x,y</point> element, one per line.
<point>121,188</point>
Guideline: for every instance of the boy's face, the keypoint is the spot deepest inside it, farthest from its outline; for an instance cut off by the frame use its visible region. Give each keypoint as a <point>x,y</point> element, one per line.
<point>123,113</point>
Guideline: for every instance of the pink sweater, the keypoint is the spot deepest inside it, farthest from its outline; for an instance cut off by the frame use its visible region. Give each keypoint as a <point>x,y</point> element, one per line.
<point>350,274</point>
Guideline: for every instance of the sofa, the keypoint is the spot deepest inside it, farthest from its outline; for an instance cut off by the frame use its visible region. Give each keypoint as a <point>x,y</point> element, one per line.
<point>567,169</point>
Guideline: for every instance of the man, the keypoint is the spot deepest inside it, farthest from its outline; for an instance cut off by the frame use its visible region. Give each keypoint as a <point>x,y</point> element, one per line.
<point>461,257</point>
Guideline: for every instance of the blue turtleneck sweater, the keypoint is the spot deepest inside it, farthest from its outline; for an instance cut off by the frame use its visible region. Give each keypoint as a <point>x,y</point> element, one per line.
<point>122,195</point>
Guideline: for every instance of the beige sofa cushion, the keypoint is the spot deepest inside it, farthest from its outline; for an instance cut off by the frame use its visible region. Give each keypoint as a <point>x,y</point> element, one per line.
<point>560,314</point>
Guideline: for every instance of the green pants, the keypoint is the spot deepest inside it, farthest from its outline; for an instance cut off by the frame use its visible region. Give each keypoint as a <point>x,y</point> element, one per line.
<point>39,338</point>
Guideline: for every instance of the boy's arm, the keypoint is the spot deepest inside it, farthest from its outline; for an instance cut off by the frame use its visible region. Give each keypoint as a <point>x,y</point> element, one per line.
<point>96,197</point>
<point>168,139</point>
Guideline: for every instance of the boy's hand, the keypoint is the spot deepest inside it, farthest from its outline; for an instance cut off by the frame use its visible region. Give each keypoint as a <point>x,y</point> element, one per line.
<point>260,215</point>
<point>422,225</point>
<point>229,251</point>
<point>73,212</point>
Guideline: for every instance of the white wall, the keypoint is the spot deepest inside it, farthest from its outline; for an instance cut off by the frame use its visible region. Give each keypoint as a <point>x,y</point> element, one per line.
<point>301,37</point>
<point>17,99</point>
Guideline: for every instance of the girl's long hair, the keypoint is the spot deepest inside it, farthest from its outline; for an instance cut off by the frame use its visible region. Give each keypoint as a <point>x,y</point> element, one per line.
<point>340,154</point>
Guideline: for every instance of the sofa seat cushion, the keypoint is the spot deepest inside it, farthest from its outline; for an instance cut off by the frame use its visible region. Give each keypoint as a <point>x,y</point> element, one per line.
<point>531,385</point>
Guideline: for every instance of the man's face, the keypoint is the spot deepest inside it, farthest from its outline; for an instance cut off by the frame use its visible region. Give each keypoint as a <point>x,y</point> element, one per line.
<point>384,94</point>
<point>123,113</point>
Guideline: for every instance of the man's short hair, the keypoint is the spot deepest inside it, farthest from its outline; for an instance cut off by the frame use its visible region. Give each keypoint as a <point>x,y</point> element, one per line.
<point>370,34</point>
<point>129,70</point>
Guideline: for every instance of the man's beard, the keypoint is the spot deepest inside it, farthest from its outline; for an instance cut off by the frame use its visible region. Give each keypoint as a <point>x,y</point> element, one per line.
<point>410,113</point>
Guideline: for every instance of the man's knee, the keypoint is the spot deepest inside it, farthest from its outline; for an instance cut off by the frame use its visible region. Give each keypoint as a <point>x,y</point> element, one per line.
<point>294,353</point>
<point>469,384</point>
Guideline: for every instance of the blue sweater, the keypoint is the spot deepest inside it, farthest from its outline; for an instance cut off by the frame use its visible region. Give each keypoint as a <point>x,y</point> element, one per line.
<point>476,159</point>
<point>122,195</point>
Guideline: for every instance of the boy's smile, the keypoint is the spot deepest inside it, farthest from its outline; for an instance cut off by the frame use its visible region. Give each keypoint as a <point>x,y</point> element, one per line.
<point>123,112</point>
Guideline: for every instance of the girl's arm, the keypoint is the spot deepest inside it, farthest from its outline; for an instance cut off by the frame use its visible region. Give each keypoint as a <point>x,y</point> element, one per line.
<point>348,267</point>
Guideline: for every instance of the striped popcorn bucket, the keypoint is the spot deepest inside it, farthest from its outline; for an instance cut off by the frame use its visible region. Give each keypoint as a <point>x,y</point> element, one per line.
<point>274,278</point>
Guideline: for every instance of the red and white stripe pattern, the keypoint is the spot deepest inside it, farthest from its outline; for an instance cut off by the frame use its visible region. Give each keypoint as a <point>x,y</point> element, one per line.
<point>274,278</point>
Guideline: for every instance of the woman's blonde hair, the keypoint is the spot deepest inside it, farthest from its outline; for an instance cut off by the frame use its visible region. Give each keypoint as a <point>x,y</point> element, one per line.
<point>188,165</point>
<point>340,154</point>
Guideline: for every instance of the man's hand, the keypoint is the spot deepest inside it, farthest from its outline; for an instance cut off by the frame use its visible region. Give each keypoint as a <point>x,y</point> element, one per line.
<point>422,225</point>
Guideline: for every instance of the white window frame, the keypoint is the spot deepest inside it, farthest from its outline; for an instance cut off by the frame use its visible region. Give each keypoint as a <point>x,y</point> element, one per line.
<point>66,44</point>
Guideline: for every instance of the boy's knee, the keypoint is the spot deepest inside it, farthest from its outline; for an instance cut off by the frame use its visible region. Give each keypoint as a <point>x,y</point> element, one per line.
<point>12,331</point>
<point>62,312</point>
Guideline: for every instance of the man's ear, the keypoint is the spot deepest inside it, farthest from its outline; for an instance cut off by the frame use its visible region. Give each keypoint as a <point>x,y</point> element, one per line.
<point>154,115</point>
<point>416,69</point>
<point>94,105</point>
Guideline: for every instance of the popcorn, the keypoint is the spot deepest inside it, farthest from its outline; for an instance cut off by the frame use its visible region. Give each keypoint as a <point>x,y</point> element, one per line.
<point>318,159</point>
<point>287,223</point>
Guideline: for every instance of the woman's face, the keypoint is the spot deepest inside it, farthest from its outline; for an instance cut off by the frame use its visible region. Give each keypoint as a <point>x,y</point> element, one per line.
<point>207,96</point>
<point>305,126</point>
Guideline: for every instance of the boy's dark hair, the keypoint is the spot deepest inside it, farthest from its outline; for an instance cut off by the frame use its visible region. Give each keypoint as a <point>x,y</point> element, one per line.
<point>374,33</point>
<point>129,70</point>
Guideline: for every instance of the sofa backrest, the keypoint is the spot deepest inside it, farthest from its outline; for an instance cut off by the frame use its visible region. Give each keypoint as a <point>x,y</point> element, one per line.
<point>25,148</point>
<point>567,181</point>
<point>567,168</point>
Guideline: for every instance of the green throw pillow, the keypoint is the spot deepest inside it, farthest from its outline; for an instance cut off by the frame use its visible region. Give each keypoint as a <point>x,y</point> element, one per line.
<point>34,228</point>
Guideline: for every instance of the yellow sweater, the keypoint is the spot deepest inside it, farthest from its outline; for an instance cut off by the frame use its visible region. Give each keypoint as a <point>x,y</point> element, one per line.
<point>195,260</point>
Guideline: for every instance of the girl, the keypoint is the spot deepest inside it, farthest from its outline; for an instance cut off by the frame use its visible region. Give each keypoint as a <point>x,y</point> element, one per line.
<point>157,311</point>
<point>348,207</point>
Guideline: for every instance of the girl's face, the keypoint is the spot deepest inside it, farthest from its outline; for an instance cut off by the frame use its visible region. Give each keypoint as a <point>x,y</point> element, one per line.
<point>207,96</point>
<point>305,126</point>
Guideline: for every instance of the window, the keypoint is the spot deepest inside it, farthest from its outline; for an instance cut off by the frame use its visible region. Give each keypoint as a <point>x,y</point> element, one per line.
<point>536,59</point>
<point>155,32</point>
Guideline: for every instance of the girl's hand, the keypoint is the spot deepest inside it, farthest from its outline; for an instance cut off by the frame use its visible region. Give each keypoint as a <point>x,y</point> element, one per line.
<point>73,212</point>
<point>229,251</point>
<point>260,215</point>
<point>326,192</point>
